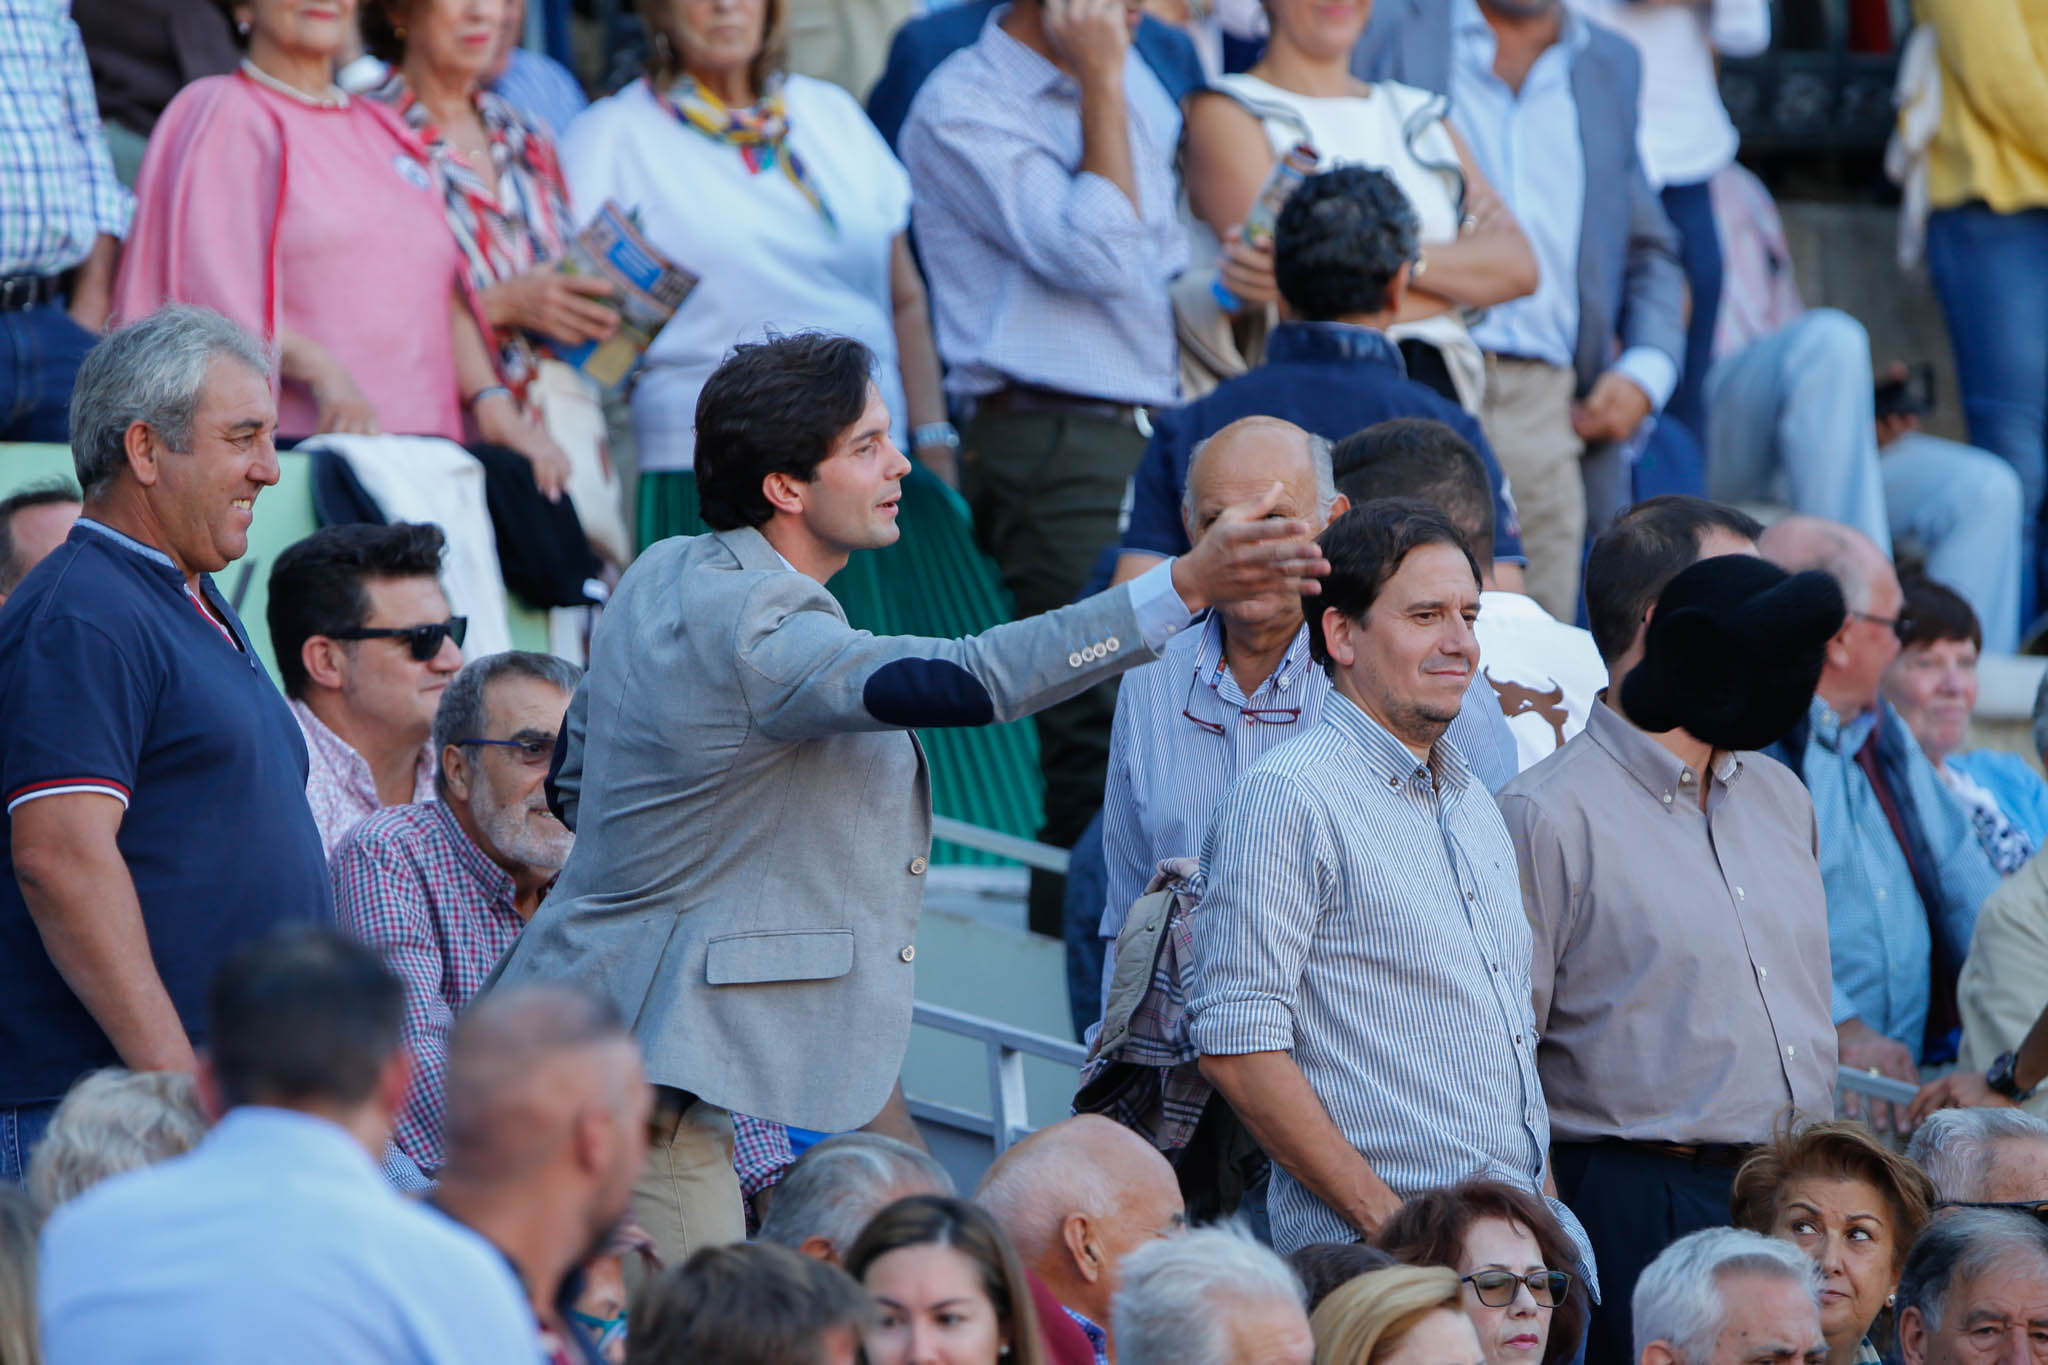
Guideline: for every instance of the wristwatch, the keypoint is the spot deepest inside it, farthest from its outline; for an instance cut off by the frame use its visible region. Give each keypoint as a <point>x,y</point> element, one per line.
<point>2001,1079</point>
<point>935,434</point>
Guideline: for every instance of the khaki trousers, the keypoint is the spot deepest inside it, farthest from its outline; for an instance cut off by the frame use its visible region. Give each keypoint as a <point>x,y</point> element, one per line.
<point>1527,417</point>
<point>688,1195</point>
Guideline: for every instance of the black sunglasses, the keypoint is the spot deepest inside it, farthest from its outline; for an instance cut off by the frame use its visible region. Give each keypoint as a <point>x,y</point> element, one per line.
<point>1496,1288</point>
<point>2033,1208</point>
<point>425,641</point>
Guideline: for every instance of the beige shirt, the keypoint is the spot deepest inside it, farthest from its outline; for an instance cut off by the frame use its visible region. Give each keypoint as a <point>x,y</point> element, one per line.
<point>2005,978</point>
<point>1680,977</point>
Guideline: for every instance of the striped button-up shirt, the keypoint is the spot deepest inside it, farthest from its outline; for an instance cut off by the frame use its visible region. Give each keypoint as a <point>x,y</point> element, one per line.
<point>58,192</point>
<point>1362,912</point>
<point>411,884</point>
<point>1042,273</point>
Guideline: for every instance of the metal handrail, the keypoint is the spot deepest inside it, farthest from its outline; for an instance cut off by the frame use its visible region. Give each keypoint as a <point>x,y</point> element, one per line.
<point>1026,851</point>
<point>1005,1048</point>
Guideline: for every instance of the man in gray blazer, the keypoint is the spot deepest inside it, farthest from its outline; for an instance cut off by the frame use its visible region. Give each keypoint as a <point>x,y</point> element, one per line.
<point>753,818</point>
<point>1547,101</point>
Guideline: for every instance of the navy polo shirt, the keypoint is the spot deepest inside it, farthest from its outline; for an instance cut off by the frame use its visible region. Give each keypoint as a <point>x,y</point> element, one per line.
<point>112,680</point>
<point>1328,378</point>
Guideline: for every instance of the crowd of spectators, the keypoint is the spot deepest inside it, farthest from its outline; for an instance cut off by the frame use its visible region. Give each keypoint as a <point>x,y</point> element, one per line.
<point>1482,874</point>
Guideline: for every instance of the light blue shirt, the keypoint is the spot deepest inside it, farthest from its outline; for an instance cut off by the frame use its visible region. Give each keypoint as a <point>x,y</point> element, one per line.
<point>1527,143</point>
<point>542,89</point>
<point>274,1240</point>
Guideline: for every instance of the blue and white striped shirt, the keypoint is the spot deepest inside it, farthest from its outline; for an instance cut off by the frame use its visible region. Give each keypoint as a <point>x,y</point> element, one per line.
<point>58,192</point>
<point>1362,912</point>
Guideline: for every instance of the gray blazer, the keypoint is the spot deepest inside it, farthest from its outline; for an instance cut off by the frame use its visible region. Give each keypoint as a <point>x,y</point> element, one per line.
<point>1631,283</point>
<point>753,819</point>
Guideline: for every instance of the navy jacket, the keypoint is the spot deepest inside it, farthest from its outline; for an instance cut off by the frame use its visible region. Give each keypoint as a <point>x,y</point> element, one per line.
<point>1327,378</point>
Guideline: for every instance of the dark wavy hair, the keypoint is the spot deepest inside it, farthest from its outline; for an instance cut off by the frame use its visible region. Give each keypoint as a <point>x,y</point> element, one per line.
<point>1365,548</point>
<point>941,1220</point>
<point>1339,242</point>
<point>316,585</point>
<point>1430,1230</point>
<point>774,407</point>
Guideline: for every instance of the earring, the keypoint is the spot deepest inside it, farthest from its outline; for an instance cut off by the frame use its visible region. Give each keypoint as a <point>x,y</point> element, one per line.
<point>242,28</point>
<point>398,30</point>
<point>1891,1300</point>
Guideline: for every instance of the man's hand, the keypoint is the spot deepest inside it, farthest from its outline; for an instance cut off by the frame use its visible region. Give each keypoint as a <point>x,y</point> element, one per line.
<point>1863,1048</point>
<point>1247,271</point>
<point>1957,1090</point>
<point>1091,38</point>
<point>1612,411</point>
<point>1247,552</point>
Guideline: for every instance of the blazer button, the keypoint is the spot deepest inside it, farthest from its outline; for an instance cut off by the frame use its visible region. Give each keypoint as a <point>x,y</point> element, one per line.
<point>918,865</point>
<point>909,953</point>
<point>1074,659</point>
<point>1112,644</point>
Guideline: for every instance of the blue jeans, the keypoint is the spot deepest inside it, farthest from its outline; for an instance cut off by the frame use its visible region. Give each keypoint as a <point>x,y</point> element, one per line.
<point>1991,273</point>
<point>1691,210</point>
<point>1793,422</point>
<point>40,351</point>
<point>21,1128</point>
<point>1087,885</point>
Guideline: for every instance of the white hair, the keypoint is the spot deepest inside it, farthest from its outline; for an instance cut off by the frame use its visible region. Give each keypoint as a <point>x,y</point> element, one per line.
<point>1956,1147</point>
<point>1175,1298</point>
<point>1678,1299</point>
<point>1319,459</point>
<point>836,1188</point>
<point>111,1122</point>
<point>1962,1246</point>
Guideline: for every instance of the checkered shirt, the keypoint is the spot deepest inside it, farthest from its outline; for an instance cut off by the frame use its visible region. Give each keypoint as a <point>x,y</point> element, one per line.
<point>412,885</point>
<point>58,191</point>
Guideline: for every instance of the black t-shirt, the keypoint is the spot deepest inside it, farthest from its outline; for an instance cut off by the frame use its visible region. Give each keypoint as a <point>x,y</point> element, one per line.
<point>114,680</point>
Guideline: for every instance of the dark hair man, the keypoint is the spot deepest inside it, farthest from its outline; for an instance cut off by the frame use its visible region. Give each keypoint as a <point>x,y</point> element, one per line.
<point>33,522</point>
<point>731,725</point>
<point>1541,673</point>
<point>1369,838</point>
<point>365,644</point>
<point>155,782</point>
<point>758,1304</point>
<point>277,1227</point>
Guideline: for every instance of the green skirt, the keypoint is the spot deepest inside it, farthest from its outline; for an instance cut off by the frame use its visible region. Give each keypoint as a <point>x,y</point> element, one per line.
<point>935,582</point>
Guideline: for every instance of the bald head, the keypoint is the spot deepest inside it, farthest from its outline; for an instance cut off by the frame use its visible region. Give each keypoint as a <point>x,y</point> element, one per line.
<point>1243,460</point>
<point>1868,642</point>
<point>1075,1197</point>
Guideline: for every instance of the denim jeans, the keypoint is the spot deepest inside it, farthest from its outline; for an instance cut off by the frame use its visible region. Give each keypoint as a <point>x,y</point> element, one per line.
<point>40,351</point>
<point>21,1128</point>
<point>1991,273</point>
<point>1793,423</point>
<point>1691,210</point>
<point>1087,885</point>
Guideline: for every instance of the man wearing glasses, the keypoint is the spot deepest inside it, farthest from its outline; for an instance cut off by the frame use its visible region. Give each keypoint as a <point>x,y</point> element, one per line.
<point>365,646</point>
<point>442,888</point>
<point>1904,871</point>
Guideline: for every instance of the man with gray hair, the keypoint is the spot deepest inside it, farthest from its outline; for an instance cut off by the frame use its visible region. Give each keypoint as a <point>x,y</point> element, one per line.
<point>1975,1291</point>
<point>442,888</point>
<point>1901,864</point>
<point>1991,1156</point>
<point>838,1186</point>
<point>1726,1296</point>
<point>1213,1297</point>
<point>155,781</point>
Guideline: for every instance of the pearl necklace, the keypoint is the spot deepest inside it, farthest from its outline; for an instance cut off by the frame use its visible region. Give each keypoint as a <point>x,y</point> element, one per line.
<point>335,98</point>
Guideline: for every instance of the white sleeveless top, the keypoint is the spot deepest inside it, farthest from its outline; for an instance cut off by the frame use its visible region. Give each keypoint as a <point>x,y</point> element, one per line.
<point>1400,130</point>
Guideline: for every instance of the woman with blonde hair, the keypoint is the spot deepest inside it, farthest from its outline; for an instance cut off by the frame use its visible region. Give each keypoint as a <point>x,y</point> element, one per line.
<point>1403,1315</point>
<point>1849,1202</point>
<point>946,1285</point>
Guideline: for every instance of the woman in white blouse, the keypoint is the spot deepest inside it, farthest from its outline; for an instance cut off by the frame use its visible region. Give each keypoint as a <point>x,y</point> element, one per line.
<point>780,195</point>
<point>1302,90</point>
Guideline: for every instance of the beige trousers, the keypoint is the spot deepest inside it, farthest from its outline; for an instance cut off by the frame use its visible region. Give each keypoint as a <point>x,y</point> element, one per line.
<point>1527,417</point>
<point>688,1196</point>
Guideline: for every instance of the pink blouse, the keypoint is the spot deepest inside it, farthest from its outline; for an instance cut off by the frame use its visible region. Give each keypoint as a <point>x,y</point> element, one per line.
<point>325,220</point>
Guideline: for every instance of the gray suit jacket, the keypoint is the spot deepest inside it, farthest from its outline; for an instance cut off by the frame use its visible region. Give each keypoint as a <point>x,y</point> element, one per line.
<point>753,821</point>
<point>1631,283</point>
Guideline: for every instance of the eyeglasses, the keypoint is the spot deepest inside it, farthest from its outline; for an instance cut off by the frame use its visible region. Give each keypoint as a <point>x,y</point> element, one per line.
<point>1496,1288</point>
<point>535,751</point>
<point>424,640</point>
<point>1256,715</point>
<point>1900,625</point>
<point>2034,1208</point>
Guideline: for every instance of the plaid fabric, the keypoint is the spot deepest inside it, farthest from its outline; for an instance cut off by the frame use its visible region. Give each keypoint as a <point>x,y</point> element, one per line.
<point>1151,1082</point>
<point>57,186</point>
<point>760,1153</point>
<point>409,883</point>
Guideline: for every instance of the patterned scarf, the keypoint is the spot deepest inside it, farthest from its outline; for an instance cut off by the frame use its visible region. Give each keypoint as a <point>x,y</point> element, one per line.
<point>760,132</point>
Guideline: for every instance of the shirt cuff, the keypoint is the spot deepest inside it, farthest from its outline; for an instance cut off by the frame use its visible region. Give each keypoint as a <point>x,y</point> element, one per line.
<point>1652,371</point>
<point>1160,612</point>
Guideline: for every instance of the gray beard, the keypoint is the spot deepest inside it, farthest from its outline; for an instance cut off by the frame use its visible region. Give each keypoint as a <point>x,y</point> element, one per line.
<point>514,836</point>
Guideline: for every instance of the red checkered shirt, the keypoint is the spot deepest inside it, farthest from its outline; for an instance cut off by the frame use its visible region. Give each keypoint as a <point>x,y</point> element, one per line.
<point>412,885</point>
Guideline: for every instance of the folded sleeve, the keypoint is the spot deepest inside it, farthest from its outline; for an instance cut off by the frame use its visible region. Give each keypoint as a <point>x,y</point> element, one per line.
<point>78,711</point>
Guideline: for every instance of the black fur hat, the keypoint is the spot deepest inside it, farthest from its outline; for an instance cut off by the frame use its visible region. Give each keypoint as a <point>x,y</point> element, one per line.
<point>1734,651</point>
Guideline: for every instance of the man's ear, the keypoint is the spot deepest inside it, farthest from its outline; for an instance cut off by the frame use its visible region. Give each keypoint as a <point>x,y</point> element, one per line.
<point>1397,288</point>
<point>1338,509</point>
<point>325,661</point>
<point>819,1249</point>
<point>393,1080</point>
<point>1338,641</point>
<point>1912,1337</point>
<point>211,1100</point>
<point>1659,1353</point>
<point>1078,1233</point>
<point>455,771</point>
<point>145,453</point>
<point>784,492</point>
